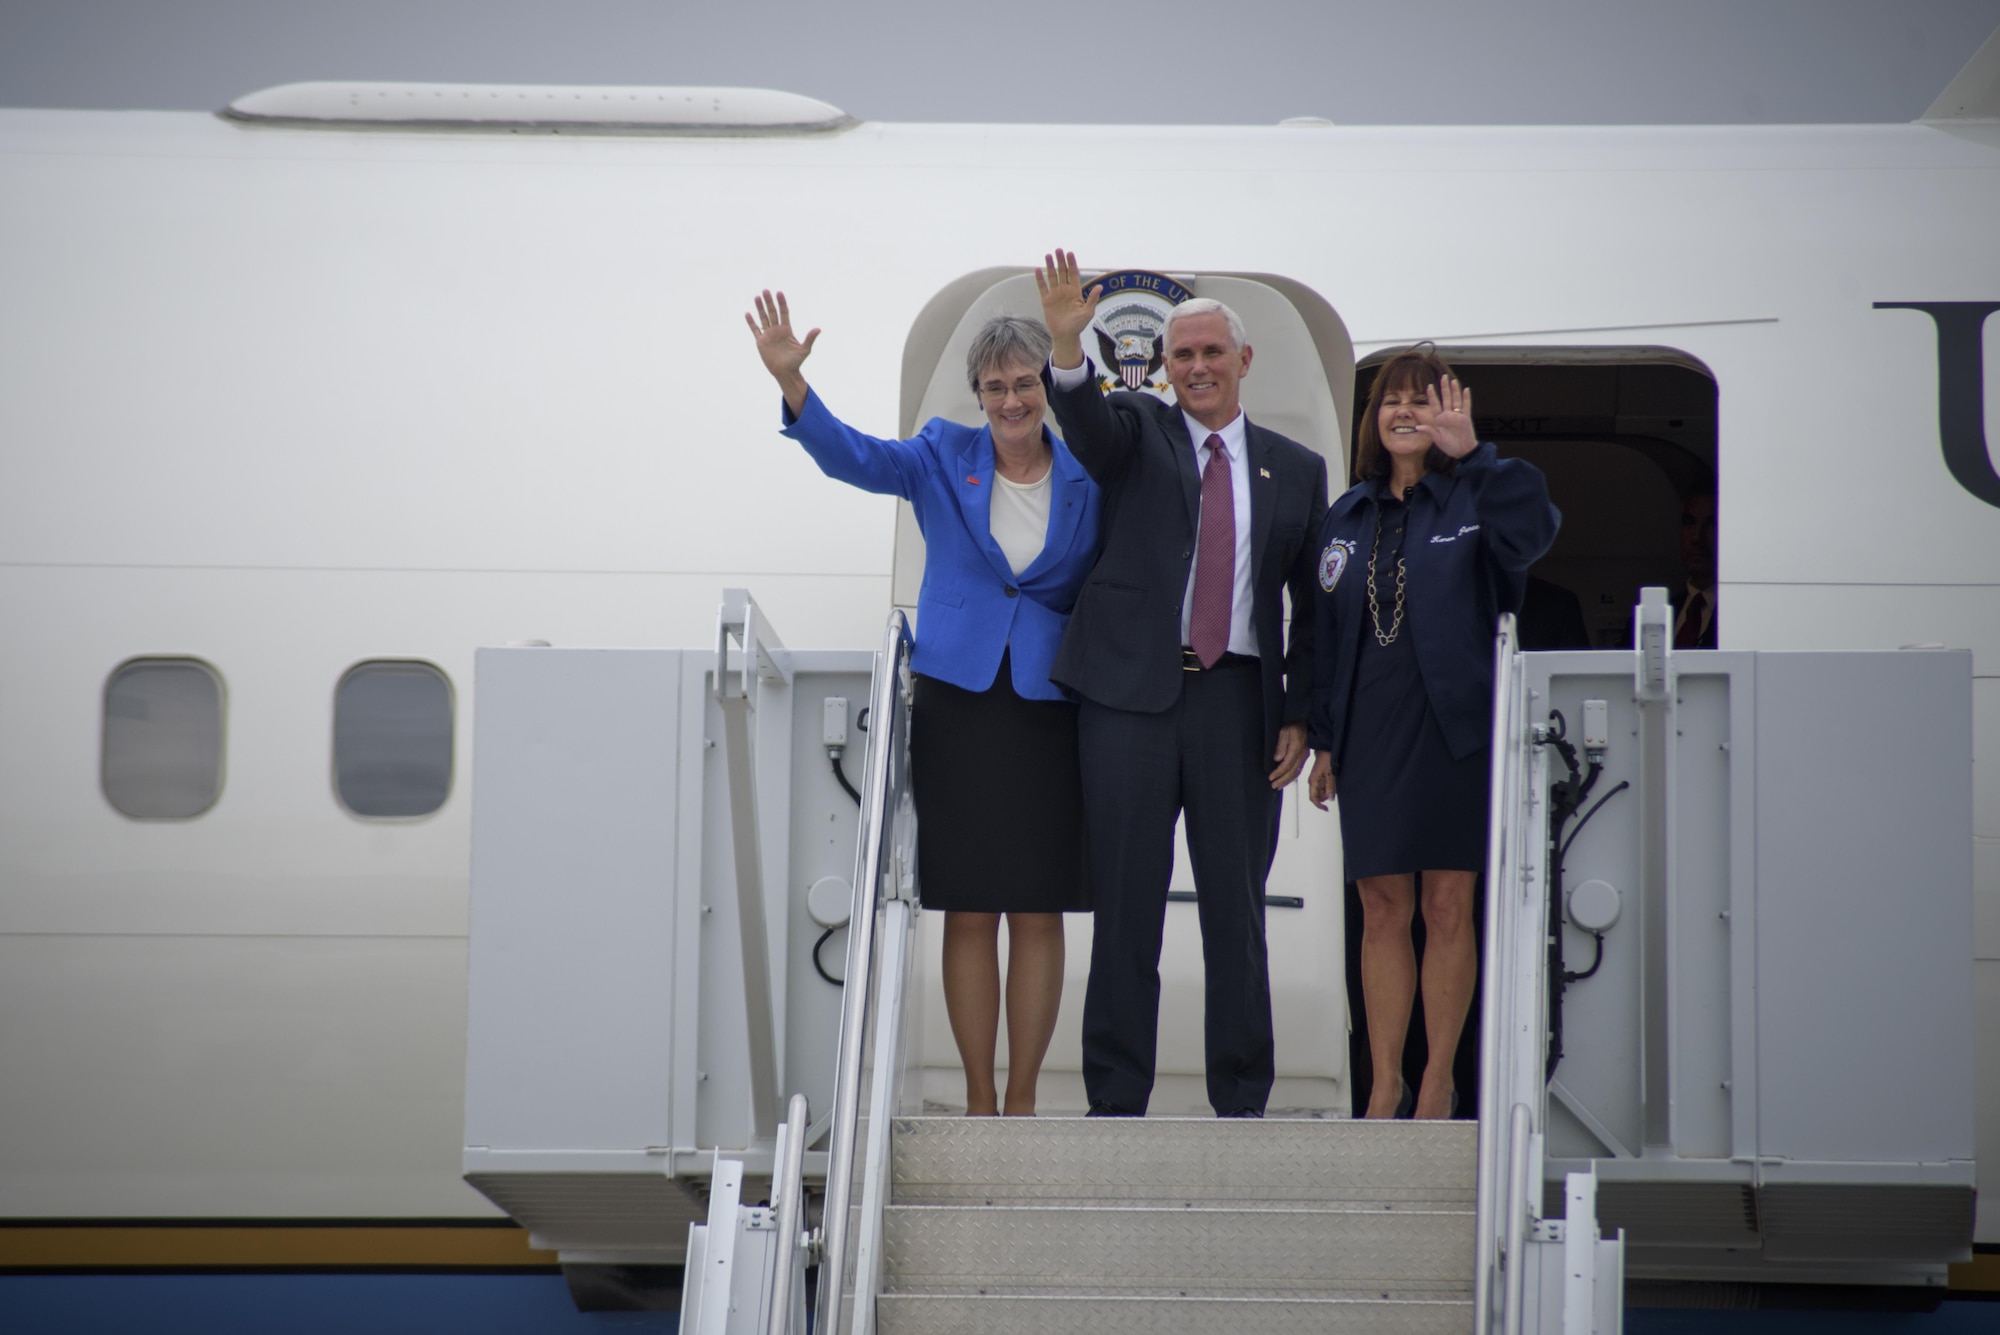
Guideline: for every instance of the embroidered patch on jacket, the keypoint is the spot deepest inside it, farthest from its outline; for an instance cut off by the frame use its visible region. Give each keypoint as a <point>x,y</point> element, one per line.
<point>1332,561</point>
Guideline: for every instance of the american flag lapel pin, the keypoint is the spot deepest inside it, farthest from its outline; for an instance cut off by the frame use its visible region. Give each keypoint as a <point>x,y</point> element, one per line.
<point>1263,472</point>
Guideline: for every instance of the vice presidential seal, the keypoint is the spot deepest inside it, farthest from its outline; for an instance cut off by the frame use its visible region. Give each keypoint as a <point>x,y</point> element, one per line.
<point>1332,561</point>
<point>1130,352</point>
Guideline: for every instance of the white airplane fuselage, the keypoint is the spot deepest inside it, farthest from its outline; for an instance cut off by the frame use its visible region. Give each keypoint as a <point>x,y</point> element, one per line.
<point>283,400</point>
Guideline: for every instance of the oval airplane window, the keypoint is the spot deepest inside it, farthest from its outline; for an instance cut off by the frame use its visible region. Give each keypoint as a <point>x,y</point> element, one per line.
<point>162,757</point>
<point>392,739</point>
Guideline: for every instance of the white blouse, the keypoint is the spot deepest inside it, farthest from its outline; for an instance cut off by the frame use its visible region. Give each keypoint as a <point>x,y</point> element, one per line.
<point>1020,518</point>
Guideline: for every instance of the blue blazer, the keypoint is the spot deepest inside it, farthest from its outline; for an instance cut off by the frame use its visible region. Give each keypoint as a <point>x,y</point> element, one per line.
<point>972,608</point>
<point>1472,535</point>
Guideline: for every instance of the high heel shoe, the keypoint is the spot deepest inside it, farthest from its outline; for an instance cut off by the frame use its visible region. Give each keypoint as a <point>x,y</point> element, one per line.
<point>1407,1104</point>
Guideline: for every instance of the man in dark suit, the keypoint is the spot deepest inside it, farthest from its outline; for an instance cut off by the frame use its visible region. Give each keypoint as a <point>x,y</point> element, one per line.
<point>1189,697</point>
<point>1694,602</point>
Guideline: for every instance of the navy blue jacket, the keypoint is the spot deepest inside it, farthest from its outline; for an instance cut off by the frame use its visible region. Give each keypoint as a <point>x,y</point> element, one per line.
<point>1471,539</point>
<point>972,607</point>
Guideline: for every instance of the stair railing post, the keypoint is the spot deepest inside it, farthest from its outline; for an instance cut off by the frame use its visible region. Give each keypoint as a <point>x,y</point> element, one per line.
<point>1520,1127</point>
<point>1493,1004</point>
<point>886,700</point>
<point>789,1187</point>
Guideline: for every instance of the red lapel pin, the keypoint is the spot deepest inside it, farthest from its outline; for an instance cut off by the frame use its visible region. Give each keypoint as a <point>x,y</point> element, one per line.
<point>973,480</point>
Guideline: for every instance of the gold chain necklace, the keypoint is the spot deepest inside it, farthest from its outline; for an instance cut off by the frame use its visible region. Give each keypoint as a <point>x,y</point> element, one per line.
<point>1385,639</point>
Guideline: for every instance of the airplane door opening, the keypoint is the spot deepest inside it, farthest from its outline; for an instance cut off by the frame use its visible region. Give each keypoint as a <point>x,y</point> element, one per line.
<point>1302,385</point>
<point>1625,437</point>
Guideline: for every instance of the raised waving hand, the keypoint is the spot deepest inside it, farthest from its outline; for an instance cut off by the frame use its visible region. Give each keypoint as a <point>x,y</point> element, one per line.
<point>782,352</point>
<point>1450,427</point>
<point>1066,309</point>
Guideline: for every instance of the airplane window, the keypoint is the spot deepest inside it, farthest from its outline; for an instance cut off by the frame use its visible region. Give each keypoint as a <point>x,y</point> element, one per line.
<point>392,734</point>
<point>163,738</point>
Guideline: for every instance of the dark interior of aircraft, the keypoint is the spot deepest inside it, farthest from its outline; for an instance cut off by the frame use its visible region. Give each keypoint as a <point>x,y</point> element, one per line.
<point>1625,436</point>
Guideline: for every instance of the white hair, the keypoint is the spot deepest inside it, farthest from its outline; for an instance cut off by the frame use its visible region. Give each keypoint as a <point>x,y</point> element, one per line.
<point>1204,306</point>
<point>1003,340</point>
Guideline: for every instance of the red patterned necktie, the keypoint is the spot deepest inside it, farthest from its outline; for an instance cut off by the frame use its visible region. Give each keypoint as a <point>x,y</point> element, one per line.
<point>1215,560</point>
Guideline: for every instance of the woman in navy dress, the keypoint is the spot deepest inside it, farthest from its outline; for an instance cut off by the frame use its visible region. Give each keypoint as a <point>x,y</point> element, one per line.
<point>1417,561</point>
<point>1010,530</point>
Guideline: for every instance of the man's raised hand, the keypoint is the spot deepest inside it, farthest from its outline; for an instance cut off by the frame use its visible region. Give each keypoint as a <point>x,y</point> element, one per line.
<point>783,353</point>
<point>1451,430</point>
<point>1066,309</point>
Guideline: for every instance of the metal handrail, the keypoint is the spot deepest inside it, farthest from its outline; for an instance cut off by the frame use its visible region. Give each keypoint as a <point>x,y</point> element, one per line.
<point>891,665</point>
<point>1520,1126</point>
<point>763,661</point>
<point>1493,1035</point>
<point>788,1187</point>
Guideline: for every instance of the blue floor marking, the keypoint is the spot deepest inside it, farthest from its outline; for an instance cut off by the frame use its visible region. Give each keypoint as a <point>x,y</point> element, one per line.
<point>306,1305</point>
<point>1953,1318</point>
<point>540,1305</point>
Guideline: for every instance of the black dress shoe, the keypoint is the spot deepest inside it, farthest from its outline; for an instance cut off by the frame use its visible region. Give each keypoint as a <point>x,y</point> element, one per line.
<point>1243,1112</point>
<point>1099,1108</point>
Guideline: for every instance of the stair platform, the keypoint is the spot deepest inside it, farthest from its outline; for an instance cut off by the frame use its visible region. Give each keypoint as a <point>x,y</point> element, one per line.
<point>1178,1224</point>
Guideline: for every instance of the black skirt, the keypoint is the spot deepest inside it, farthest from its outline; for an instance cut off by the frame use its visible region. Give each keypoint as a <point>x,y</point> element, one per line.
<point>1406,804</point>
<point>999,799</point>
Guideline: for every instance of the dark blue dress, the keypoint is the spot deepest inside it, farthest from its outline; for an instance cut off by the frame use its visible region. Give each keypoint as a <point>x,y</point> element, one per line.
<point>1406,803</point>
<point>1407,723</point>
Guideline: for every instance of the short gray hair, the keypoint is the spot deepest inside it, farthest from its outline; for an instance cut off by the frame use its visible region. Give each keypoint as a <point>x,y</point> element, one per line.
<point>1203,306</point>
<point>1003,339</point>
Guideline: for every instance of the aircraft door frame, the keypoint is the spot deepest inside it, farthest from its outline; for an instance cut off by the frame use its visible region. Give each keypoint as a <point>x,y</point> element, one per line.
<point>1280,392</point>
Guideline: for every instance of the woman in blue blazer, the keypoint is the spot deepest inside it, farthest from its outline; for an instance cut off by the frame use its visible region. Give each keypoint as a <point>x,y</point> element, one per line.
<point>1010,529</point>
<point>1417,562</point>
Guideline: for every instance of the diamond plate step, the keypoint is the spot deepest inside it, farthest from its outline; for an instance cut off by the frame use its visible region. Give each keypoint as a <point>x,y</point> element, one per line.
<point>1029,1314</point>
<point>1188,1161</point>
<point>1203,1251</point>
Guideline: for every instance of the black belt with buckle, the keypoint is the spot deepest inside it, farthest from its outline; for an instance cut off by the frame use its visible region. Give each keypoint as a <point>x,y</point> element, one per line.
<point>1191,661</point>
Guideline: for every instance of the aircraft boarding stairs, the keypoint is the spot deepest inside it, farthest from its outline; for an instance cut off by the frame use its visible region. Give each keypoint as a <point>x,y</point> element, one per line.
<point>939,1225</point>
<point>1690,1087</point>
<point>1178,1226</point>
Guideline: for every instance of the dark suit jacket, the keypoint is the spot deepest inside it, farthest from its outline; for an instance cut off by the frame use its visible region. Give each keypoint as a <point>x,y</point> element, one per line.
<point>1123,645</point>
<point>1678,599</point>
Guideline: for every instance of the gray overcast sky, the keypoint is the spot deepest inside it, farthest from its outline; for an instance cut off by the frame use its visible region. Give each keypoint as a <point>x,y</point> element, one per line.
<point>1118,61</point>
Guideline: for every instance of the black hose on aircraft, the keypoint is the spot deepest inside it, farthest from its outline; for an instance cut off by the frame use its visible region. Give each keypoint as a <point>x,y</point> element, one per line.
<point>1566,795</point>
<point>824,937</point>
<point>833,754</point>
<point>1597,938</point>
<point>1597,958</point>
<point>840,775</point>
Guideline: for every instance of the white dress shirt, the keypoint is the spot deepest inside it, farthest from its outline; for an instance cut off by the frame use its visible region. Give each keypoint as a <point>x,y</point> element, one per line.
<point>1242,632</point>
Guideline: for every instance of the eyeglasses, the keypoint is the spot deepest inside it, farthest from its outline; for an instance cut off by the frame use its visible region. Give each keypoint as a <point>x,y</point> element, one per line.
<point>1022,388</point>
